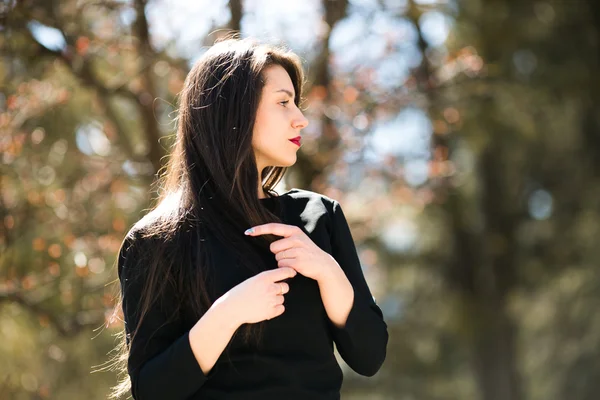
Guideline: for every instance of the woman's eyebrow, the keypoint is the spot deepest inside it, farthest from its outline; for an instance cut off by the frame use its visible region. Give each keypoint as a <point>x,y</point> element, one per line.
<point>286,91</point>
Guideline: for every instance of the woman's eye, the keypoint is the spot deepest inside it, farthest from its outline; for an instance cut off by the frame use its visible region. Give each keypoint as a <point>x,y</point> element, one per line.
<point>284,102</point>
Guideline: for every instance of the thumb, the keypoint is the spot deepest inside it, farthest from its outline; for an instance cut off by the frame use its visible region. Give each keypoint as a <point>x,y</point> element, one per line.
<point>282,273</point>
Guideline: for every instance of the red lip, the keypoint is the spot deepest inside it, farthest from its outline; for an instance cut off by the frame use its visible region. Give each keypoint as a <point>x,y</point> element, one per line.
<point>297,140</point>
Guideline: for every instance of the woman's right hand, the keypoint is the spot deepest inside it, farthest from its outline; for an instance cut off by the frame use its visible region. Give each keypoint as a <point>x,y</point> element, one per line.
<point>258,298</point>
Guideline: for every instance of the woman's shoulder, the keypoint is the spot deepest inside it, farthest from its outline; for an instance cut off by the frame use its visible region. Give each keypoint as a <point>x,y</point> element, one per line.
<point>136,242</point>
<point>310,204</point>
<point>150,230</point>
<point>309,195</point>
<point>144,241</point>
<point>143,231</point>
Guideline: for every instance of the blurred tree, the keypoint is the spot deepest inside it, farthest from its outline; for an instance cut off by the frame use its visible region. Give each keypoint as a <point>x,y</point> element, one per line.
<point>67,199</point>
<point>527,169</point>
<point>478,232</point>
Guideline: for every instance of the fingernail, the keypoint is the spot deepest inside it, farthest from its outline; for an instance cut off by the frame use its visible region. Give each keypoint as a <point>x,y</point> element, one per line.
<point>249,231</point>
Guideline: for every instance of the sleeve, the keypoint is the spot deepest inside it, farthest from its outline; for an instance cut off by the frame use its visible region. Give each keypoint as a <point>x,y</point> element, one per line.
<point>362,342</point>
<point>161,364</point>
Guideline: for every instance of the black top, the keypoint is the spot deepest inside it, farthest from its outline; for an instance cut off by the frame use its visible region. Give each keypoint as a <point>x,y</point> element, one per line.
<point>296,359</point>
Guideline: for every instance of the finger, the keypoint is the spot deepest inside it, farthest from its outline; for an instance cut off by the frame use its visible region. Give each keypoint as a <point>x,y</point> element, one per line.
<point>277,311</point>
<point>285,244</point>
<point>280,274</point>
<point>284,287</point>
<point>279,300</point>
<point>274,288</point>
<point>279,288</point>
<point>292,252</point>
<point>273,228</point>
<point>286,262</point>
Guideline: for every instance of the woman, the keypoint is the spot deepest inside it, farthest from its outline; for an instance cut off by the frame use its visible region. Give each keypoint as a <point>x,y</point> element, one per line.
<point>212,311</point>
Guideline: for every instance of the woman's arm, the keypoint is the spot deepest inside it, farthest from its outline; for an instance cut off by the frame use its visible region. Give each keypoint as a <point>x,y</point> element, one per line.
<point>211,334</point>
<point>337,294</point>
<point>356,322</point>
<point>165,360</point>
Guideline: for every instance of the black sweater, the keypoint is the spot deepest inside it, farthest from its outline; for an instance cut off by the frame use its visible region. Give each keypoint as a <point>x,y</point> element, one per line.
<point>296,359</point>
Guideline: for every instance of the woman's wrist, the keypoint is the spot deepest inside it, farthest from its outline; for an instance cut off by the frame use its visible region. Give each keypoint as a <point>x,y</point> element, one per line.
<point>210,335</point>
<point>225,314</point>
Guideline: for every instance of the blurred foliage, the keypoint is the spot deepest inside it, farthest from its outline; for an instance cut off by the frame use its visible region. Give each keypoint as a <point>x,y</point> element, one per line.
<point>470,126</point>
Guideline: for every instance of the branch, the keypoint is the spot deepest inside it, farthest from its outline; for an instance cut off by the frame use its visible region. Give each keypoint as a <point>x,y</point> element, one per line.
<point>236,10</point>
<point>66,329</point>
<point>84,72</point>
<point>147,108</point>
<point>82,69</point>
<point>312,168</point>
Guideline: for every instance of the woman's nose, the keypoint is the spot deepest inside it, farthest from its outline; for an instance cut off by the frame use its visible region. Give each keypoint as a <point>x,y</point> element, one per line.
<point>301,122</point>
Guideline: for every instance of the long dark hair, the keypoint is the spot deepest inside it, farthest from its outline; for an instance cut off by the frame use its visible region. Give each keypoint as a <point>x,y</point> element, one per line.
<point>208,190</point>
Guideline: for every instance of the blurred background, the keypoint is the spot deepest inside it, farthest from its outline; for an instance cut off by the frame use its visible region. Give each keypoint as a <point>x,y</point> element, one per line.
<point>462,138</point>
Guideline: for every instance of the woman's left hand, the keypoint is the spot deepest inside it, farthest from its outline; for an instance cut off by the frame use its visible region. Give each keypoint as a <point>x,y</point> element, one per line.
<point>297,250</point>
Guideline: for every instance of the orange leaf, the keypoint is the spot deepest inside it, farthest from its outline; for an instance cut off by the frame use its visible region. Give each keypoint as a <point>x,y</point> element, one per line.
<point>82,44</point>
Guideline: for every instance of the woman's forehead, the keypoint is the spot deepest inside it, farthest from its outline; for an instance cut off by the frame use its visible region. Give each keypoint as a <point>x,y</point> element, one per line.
<point>276,77</point>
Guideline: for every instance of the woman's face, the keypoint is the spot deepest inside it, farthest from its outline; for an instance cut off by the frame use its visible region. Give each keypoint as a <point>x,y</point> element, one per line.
<point>277,121</point>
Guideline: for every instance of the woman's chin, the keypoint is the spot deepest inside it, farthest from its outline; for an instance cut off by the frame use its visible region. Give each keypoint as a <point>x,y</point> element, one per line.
<point>286,163</point>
